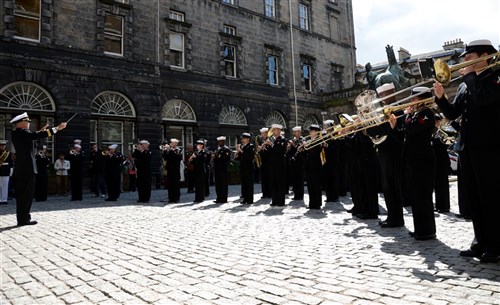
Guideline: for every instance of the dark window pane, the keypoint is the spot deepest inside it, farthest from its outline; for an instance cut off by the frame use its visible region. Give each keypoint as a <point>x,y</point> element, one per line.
<point>28,28</point>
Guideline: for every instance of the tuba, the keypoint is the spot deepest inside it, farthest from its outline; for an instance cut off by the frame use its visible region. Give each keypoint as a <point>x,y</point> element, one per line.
<point>367,105</point>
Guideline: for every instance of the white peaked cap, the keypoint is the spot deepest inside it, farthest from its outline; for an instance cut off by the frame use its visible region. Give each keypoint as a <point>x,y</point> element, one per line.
<point>77,146</point>
<point>297,128</point>
<point>277,126</point>
<point>143,142</point>
<point>264,129</point>
<point>174,140</point>
<point>385,87</point>
<point>20,117</point>
<point>221,138</point>
<point>114,146</point>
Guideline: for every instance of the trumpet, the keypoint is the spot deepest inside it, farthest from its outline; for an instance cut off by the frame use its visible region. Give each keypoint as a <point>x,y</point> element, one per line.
<point>164,147</point>
<point>443,71</point>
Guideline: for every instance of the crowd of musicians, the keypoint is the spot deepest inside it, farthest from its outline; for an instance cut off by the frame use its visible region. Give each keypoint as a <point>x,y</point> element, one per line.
<point>405,158</point>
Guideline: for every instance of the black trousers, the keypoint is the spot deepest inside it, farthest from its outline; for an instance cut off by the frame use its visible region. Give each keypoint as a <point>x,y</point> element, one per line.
<point>297,175</point>
<point>390,166</point>
<point>420,178</point>
<point>190,180</point>
<point>113,184</point>
<point>41,185</point>
<point>174,188</point>
<point>441,184</point>
<point>144,186</point>
<point>368,186</point>
<point>221,185</point>
<point>76,186</point>
<point>207,180</point>
<point>199,186</point>
<point>330,174</point>
<point>479,170</point>
<point>278,181</point>
<point>246,177</point>
<point>352,176</point>
<point>265,180</point>
<point>24,187</point>
<point>314,187</point>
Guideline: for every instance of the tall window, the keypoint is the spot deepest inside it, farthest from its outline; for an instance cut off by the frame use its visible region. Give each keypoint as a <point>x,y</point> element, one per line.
<point>176,50</point>
<point>113,34</point>
<point>272,62</point>
<point>231,30</point>
<point>230,60</point>
<point>27,19</point>
<point>303,16</point>
<point>270,8</point>
<point>307,76</point>
<point>174,15</point>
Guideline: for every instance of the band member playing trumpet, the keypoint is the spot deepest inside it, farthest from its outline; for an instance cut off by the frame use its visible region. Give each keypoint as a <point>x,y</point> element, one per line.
<point>418,158</point>
<point>5,171</point>
<point>114,160</point>
<point>265,168</point>
<point>245,153</point>
<point>221,158</point>
<point>75,158</point>
<point>478,102</point>
<point>142,156</point>
<point>199,161</point>
<point>42,176</point>
<point>296,163</point>
<point>173,157</point>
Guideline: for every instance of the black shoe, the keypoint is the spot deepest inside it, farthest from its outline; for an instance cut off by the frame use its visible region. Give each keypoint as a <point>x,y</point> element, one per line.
<point>412,234</point>
<point>489,258</point>
<point>385,224</point>
<point>27,223</point>
<point>367,216</point>
<point>3,202</point>
<point>298,198</point>
<point>426,237</point>
<point>109,199</point>
<point>444,211</point>
<point>471,253</point>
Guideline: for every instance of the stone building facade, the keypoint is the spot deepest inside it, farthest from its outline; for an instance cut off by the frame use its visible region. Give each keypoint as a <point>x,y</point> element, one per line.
<point>170,68</point>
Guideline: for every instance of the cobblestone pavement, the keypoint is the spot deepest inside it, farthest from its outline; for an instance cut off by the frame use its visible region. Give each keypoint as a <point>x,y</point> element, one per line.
<point>207,253</point>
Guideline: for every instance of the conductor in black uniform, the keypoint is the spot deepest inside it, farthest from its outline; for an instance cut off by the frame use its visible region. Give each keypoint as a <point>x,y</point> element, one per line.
<point>221,158</point>
<point>419,165</point>
<point>246,155</point>
<point>42,176</point>
<point>276,145</point>
<point>173,156</point>
<point>25,168</point>
<point>199,161</point>
<point>75,158</point>
<point>478,102</point>
<point>142,156</point>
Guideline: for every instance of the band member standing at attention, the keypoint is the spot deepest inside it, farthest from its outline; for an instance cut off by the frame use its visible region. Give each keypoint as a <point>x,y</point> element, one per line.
<point>441,183</point>
<point>142,156</point>
<point>75,158</point>
<point>173,157</point>
<point>199,162</point>
<point>221,158</point>
<point>25,168</point>
<point>313,167</point>
<point>276,146</point>
<point>296,162</point>
<point>478,102</point>
<point>245,153</point>
<point>419,165</point>
<point>114,160</point>
<point>389,153</point>
<point>5,171</point>
<point>42,177</point>
<point>265,168</point>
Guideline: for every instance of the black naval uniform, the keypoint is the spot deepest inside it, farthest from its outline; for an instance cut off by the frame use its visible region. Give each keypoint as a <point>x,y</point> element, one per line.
<point>389,154</point>
<point>313,174</point>
<point>278,175</point>
<point>42,177</point>
<point>265,170</point>
<point>296,172</point>
<point>97,166</point>
<point>478,101</point>
<point>25,170</point>
<point>5,168</point>
<point>246,172</point>
<point>221,163</point>
<point>352,172</point>
<point>173,158</point>
<point>113,175</point>
<point>442,169</point>
<point>76,178</point>
<point>419,163</point>
<point>199,162</point>
<point>208,171</point>
<point>143,165</point>
<point>367,180</point>
<point>331,171</point>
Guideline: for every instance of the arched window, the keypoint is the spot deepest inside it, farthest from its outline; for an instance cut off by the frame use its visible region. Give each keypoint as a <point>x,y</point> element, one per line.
<point>26,95</point>
<point>232,115</point>
<point>178,110</point>
<point>111,103</point>
<point>275,118</point>
<point>308,121</point>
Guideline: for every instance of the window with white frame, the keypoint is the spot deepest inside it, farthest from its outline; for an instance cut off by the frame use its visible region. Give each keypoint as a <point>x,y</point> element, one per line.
<point>230,60</point>
<point>272,70</point>
<point>27,19</point>
<point>307,77</point>
<point>228,1</point>
<point>113,34</point>
<point>231,30</point>
<point>174,15</point>
<point>176,50</point>
<point>270,8</point>
<point>304,16</point>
